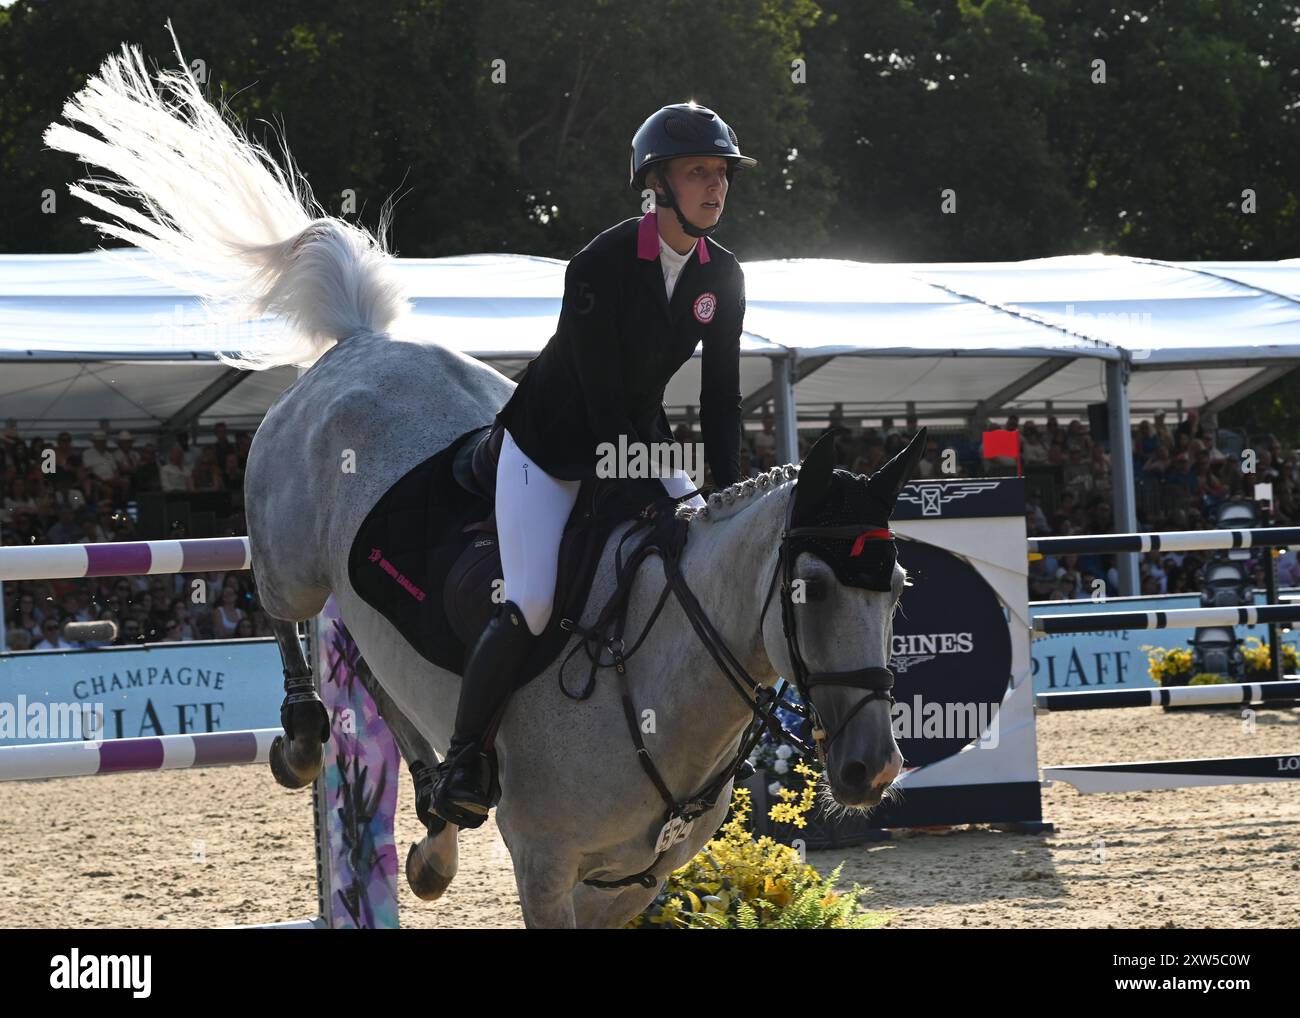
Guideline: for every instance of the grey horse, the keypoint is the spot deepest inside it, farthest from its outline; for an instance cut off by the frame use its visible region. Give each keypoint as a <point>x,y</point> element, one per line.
<point>575,803</point>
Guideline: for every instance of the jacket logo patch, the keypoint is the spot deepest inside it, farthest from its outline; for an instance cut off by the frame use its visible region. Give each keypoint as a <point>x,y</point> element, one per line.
<point>705,306</point>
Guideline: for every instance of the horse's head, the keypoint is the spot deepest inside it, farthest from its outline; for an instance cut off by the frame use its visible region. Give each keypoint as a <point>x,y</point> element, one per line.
<point>845,584</point>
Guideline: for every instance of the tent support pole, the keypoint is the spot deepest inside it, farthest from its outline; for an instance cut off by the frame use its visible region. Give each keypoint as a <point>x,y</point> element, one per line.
<point>1124,512</point>
<point>785,411</point>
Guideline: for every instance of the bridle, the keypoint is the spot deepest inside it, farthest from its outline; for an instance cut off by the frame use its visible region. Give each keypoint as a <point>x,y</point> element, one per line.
<point>666,536</point>
<point>876,680</point>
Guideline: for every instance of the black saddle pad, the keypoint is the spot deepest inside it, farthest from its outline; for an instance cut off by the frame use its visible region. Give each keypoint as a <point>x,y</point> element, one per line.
<point>415,536</point>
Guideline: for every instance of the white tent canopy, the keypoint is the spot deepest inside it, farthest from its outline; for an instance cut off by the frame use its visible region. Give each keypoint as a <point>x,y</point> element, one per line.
<point>92,336</point>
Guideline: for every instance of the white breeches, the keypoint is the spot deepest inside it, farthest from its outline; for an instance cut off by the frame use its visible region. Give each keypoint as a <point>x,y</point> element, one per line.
<point>532,508</point>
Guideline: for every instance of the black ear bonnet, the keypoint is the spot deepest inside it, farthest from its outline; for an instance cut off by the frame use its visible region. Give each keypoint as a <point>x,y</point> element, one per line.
<point>866,560</point>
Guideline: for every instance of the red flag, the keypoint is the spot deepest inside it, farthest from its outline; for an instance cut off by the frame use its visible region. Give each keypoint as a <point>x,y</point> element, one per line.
<point>1003,443</point>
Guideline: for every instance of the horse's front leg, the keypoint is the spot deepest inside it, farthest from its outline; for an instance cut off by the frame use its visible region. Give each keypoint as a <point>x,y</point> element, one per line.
<point>298,756</point>
<point>602,908</point>
<point>546,876</point>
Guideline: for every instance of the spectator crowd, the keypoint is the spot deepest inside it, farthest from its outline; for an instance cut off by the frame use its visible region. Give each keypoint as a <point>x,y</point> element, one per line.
<point>56,492</point>
<point>1182,474</point>
<point>61,493</point>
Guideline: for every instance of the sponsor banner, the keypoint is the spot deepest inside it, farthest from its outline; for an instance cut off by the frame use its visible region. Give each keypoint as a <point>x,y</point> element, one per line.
<point>951,667</point>
<point>1114,659</point>
<point>163,689</point>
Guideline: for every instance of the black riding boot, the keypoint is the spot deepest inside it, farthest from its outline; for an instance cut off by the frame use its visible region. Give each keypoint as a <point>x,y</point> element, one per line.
<point>463,794</point>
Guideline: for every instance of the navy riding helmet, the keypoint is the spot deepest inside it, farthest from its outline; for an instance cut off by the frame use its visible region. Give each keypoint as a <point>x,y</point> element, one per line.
<point>683,129</point>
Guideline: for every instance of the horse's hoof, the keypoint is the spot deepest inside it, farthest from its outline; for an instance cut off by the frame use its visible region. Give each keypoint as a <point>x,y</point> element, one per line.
<point>425,882</point>
<point>289,776</point>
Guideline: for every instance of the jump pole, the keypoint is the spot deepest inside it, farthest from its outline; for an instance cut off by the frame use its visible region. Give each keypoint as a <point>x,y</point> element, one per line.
<point>1157,775</point>
<point>1160,775</point>
<point>1170,696</point>
<point>122,756</point>
<point>355,855</point>
<point>1169,540</point>
<point>1174,618</point>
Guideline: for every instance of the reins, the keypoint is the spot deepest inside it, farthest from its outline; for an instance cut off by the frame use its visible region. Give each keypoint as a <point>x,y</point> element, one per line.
<point>665,536</point>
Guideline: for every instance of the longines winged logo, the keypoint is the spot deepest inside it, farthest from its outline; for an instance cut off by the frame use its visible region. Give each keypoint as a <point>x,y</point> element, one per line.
<point>900,663</point>
<point>932,496</point>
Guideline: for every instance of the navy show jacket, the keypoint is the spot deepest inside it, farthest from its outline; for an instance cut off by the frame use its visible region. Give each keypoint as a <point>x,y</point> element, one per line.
<point>618,343</point>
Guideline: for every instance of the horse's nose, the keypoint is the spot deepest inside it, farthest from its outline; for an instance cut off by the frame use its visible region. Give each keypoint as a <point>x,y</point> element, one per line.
<point>890,771</point>
<point>857,776</point>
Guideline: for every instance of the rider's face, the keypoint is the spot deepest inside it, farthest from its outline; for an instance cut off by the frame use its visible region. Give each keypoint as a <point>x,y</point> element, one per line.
<point>700,185</point>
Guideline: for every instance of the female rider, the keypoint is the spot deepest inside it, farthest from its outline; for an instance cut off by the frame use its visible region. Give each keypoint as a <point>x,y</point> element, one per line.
<point>637,301</point>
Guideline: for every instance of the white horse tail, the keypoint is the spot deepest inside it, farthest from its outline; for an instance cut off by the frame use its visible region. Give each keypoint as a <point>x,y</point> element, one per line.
<point>250,236</point>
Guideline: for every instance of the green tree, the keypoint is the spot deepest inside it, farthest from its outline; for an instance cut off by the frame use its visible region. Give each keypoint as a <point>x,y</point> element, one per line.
<point>504,125</point>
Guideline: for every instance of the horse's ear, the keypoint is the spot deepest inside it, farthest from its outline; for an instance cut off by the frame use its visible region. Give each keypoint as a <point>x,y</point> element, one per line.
<point>885,484</point>
<point>815,475</point>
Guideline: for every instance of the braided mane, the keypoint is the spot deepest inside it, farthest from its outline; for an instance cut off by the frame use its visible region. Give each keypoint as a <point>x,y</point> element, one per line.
<point>736,498</point>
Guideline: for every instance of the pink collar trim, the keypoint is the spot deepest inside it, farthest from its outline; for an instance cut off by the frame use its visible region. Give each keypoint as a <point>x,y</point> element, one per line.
<point>647,240</point>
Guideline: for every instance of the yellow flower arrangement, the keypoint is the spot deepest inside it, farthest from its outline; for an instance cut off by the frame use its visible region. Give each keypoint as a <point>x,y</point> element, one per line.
<point>1167,667</point>
<point>1259,659</point>
<point>737,882</point>
<point>794,806</point>
<point>1174,667</point>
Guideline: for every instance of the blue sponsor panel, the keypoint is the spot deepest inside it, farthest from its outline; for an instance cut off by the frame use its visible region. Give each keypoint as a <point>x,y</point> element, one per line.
<point>951,668</point>
<point>131,692</point>
<point>1114,659</point>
